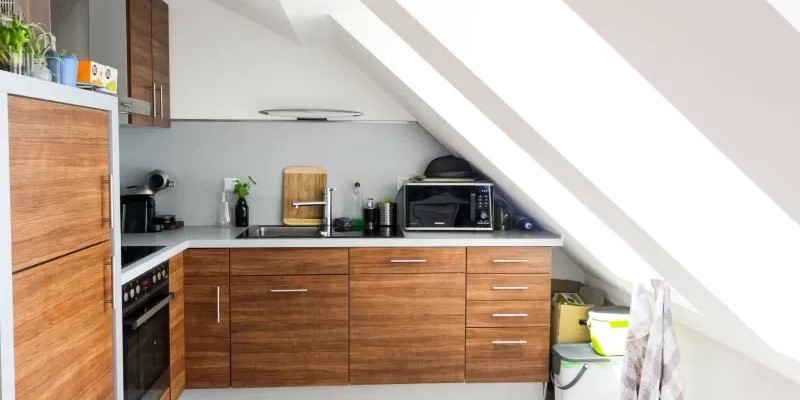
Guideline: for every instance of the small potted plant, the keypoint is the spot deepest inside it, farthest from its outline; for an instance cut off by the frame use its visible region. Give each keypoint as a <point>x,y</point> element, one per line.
<point>15,38</point>
<point>40,48</point>
<point>242,189</point>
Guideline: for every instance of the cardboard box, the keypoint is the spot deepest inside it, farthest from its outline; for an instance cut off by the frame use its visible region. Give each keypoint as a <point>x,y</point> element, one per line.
<point>90,73</point>
<point>568,323</point>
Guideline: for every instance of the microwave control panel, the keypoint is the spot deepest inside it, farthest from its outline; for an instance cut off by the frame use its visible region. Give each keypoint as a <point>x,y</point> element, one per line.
<point>483,206</point>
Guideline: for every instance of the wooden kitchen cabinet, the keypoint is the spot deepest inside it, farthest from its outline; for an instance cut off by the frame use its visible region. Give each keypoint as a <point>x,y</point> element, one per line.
<point>62,328</point>
<point>177,338</point>
<point>403,260</point>
<point>508,314</point>
<point>407,328</point>
<point>289,330</point>
<point>63,149</point>
<point>148,59</point>
<point>206,291</point>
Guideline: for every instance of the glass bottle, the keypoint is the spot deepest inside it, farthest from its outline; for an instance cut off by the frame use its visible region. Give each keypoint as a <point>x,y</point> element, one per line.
<point>356,207</point>
<point>224,213</point>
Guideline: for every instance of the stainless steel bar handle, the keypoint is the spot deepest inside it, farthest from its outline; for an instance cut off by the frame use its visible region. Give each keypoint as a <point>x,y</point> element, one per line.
<point>161,95</point>
<point>111,199</point>
<point>288,290</point>
<point>154,101</point>
<point>110,181</point>
<point>504,261</point>
<point>217,304</point>
<point>509,342</point>
<point>151,312</point>
<point>107,276</point>
<point>509,288</point>
<point>510,315</point>
<point>419,261</point>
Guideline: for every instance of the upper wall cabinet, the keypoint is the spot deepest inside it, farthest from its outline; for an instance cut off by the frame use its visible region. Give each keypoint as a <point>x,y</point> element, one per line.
<point>148,59</point>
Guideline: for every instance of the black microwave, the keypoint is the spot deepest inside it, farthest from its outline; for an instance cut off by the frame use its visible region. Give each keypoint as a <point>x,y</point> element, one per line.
<point>448,206</point>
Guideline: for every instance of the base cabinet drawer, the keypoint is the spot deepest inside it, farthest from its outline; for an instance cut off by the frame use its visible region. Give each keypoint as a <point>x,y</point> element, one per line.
<point>307,261</point>
<point>508,260</point>
<point>508,287</point>
<point>500,314</point>
<point>407,260</point>
<point>507,354</point>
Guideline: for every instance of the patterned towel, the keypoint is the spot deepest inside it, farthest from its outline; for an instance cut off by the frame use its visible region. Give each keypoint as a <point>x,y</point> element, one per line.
<point>650,366</point>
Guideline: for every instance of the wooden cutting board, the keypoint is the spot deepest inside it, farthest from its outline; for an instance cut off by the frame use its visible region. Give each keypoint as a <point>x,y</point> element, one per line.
<point>303,184</point>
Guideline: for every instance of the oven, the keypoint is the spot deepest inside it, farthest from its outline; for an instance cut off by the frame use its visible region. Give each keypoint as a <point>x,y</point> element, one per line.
<point>146,334</point>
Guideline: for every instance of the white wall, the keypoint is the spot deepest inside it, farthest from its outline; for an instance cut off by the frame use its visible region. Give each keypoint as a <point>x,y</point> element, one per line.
<point>729,66</point>
<point>712,371</point>
<point>225,66</point>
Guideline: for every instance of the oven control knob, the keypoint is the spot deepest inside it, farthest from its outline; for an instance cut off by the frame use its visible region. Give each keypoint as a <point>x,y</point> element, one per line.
<point>484,215</point>
<point>132,293</point>
<point>164,274</point>
<point>138,289</point>
<point>155,278</point>
<point>125,296</point>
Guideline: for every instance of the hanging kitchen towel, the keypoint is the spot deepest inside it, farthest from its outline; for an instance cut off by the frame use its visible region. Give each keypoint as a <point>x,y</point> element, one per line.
<point>660,377</point>
<point>636,343</point>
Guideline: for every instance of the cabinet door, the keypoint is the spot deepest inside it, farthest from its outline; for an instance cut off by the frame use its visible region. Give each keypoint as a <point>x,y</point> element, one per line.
<point>207,331</point>
<point>289,330</point>
<point>62,328</point>
<point>407,328</point>
<point>177,338</point>
<point>140,57</point>
<point>160,48</point>
<point>59,179</point>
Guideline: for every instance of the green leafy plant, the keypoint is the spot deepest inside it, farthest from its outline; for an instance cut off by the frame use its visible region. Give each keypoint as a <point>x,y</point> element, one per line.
<point>15,36</point>
<point>242,189</point>
<point>41,42</point>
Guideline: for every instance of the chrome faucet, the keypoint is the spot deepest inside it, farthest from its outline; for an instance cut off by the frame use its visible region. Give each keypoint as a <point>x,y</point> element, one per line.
<point>327,210</point>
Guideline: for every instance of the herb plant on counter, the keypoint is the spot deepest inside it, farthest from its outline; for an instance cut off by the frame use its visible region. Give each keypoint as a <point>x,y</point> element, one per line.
<point>242,189</point>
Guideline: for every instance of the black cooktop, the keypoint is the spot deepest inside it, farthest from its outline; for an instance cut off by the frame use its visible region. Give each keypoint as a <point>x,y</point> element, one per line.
<point>131,254</point>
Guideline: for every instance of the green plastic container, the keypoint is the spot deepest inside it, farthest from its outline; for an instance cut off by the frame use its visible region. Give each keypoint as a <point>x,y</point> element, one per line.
<point>608,327</point>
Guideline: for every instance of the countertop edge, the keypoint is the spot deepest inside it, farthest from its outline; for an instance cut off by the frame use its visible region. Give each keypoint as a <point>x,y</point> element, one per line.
<point>177,245</point>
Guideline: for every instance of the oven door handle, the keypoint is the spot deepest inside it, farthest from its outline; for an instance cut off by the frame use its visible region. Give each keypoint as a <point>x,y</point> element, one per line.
<point>135,324</point>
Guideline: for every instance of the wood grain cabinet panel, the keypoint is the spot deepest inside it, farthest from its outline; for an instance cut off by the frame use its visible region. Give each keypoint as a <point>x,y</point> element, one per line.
<point>289,330</point>
<point>507,354</point>
<point>289,261</point>
<point>406,328</point>
<point>177,338</point>
<point>140,57</point>
<point>62,328</point>
<point>508,287</point>
<point>508,260</point>
<point>159,28</point>
<point>206,262</point>
<point>404,260</point>
<point>64,149</point>
<point>207,331</point>
<point>497,314</point>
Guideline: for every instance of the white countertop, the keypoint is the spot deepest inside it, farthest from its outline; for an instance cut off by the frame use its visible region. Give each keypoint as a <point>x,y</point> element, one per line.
<point>217,237</point>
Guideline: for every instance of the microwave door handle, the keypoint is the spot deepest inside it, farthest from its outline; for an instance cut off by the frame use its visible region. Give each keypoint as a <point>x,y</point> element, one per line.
<point>472,205</point>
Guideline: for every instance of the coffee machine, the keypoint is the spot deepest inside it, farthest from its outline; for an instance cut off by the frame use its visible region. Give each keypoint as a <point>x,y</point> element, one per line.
<point>138,212</point>
<point>139,206</point>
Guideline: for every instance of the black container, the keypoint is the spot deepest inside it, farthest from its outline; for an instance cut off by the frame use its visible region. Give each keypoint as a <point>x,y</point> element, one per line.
<point>242,213</point>
<point>371,216</point>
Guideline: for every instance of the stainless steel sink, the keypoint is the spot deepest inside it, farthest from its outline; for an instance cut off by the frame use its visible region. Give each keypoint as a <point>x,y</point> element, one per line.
<point>300,232</point>
<point>280,231</point>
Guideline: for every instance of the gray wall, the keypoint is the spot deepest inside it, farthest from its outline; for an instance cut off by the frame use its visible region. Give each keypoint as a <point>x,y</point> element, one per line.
<point>197,155</point>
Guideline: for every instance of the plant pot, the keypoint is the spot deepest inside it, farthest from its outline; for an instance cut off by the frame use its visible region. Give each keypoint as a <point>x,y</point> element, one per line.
<point>19,63</point>
<point>39,70</point>
<point>68,71</point>
<point>242,213</point>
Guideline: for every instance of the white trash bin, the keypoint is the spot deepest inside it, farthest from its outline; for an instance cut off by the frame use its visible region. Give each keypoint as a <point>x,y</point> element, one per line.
<point>581,374</point>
